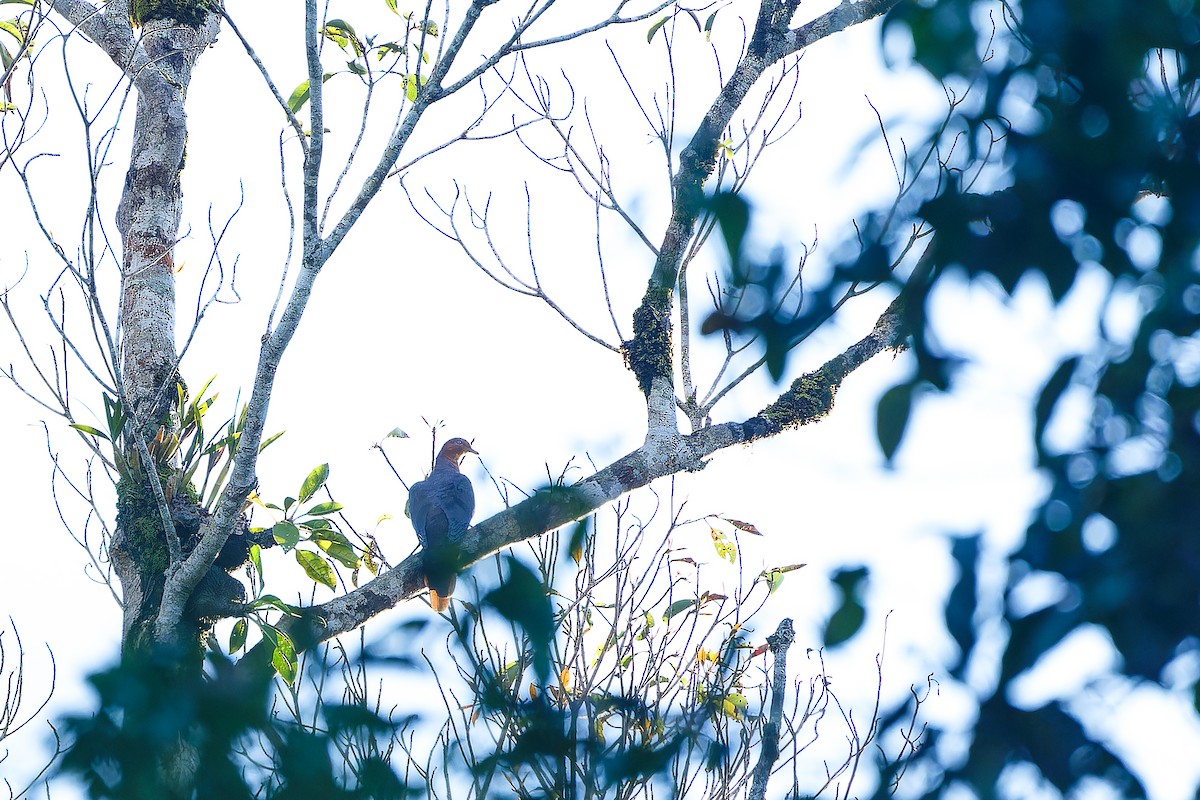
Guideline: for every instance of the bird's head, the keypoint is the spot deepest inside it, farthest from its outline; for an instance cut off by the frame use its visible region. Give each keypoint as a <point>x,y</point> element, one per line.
<point>454,450</point>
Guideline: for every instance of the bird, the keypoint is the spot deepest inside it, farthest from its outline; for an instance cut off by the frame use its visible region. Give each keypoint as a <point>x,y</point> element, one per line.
<point>441,507</point>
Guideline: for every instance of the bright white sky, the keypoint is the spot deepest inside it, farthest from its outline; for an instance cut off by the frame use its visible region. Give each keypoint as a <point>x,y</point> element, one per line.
<point>530,391</point>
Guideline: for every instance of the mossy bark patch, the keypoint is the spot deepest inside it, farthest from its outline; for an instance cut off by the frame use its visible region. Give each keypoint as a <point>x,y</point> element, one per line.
<point>648,353</point>
<point>139,518</point>
<point>185,12</point>
<point>810,398</point>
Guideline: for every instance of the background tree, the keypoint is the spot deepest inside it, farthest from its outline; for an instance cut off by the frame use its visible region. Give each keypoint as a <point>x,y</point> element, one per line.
<point>181,491</point>
<point>1051,160</point>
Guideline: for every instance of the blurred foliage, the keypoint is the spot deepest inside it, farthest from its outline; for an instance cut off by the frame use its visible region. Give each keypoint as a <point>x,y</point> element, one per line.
<point>1071,145</point>
<point>847,618</point>
<point>162,731</point>
<point>622,683</point>
<point>1089,110</point>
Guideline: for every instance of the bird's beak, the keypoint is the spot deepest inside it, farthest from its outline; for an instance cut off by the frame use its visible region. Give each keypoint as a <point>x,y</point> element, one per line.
<point>471,448</point>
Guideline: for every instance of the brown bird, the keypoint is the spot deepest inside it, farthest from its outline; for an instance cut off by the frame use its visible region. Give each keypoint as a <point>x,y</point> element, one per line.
<point>441,507</point>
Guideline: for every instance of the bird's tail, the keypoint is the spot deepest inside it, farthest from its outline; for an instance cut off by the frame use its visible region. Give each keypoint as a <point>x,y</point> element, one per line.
<point>439,596</point>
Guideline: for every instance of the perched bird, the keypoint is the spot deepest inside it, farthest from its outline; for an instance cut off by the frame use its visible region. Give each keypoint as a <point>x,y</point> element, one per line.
<point>441,507</point>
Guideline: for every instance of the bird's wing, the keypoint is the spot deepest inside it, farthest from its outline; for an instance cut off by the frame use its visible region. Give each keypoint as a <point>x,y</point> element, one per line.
<point>458,499</point>
<point>422,501</point>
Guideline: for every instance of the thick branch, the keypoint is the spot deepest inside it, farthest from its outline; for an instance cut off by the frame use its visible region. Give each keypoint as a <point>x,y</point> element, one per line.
<point>149,213</point>
<point>836,20</point>
<point>108,27</point>
<point>159,63</point>
<point>808,400</point>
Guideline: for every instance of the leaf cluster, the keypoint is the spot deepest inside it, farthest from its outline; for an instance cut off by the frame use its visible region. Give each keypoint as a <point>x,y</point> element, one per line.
<point>368,55</point>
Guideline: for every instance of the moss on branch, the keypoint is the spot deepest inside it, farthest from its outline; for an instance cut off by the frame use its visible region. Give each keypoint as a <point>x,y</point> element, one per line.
<point>185,12</point>
<point>139,518</point>
<point>808,399</point>
<point>648,353</point>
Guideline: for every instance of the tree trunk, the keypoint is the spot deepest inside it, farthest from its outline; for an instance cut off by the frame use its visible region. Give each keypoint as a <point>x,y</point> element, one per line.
<point>158,59</point>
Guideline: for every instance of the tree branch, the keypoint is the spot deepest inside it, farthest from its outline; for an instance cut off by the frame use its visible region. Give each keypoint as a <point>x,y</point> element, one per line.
<point>109,28</point>
<point>808,400</point>
<point>836,20</point>
<point>778,642</point>
<point>650,353</point>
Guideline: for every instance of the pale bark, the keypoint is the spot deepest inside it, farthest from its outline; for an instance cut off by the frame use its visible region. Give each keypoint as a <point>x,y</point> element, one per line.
<point>158,59</point>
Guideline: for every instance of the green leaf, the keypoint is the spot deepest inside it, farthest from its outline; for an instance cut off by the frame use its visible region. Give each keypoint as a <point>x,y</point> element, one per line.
<point>286,534</point>
<point>329,536</point>
<point>392,5</point>
<point>90,430</point>
<point>237,637</point>
<point>579,536</point>
<point>723,546</point>
<point>708,26</point>
<point>283,656</point>
<point>316,568</point>
<point>509,675</point>
<point>732,213</point>
<point>382,52</point>
<point>343,34</point>
<point>299,97</point>
<point>339,549</point>
<point>733,705</point>
<point>850,614</point>
<point>320,509</point>
<point>677,607</point>
<point>315,480</point>
<point>270,440</point>
<point>654,28</point>
<point>774,577</point>
<point>204,389</point>
<point>410,87</point>
<point>13,29</point>
<point>891,418</point>
<point>524,599</point>
<point>271,601</point>
<point>396,433</point>
<point>256,560</point>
